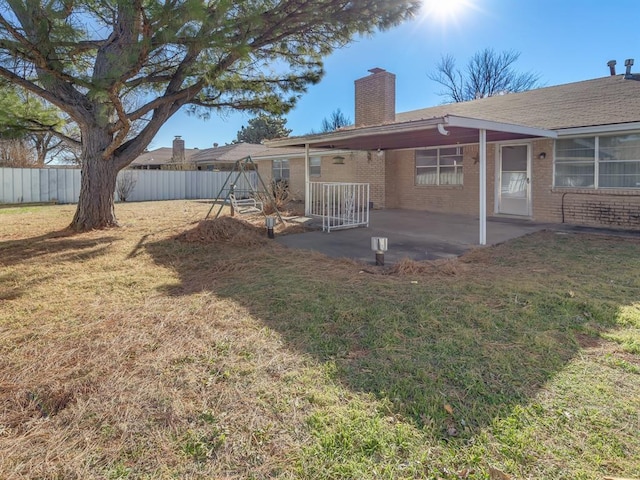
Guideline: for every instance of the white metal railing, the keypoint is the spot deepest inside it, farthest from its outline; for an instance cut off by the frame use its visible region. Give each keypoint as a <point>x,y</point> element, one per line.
<point>341,205</point>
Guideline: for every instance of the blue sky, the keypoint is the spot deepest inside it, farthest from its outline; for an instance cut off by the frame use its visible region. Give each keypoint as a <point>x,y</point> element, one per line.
<point>561,40</point>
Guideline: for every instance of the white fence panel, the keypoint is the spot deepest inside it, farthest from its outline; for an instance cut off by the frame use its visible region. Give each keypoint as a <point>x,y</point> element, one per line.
<point>204,187</point>
<point>62,185</point>
<point>23,185</point>
<point>34,188</point>
<point>45,183</point>
<point>7,185</point>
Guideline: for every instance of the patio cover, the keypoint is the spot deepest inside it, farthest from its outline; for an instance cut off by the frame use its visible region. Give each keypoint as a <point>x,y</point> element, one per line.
<point>433,132</point>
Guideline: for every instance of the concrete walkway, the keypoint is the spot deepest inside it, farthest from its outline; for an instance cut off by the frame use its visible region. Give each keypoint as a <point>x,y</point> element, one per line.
<point>411,234</point>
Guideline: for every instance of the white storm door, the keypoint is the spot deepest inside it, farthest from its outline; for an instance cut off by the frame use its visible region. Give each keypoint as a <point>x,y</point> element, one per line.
<point>514,193</point>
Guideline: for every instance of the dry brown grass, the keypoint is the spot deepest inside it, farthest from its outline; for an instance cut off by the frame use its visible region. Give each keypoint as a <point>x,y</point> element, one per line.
<point>225,230</point>
<point>110,363</point>
<point>103,368</point>
<point>445,267</point>
<point>174,347</point>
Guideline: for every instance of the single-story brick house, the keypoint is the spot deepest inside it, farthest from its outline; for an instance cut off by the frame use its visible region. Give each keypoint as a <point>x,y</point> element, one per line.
<point>175,158</point>
<point>218,158</point>
<point>567,153</point>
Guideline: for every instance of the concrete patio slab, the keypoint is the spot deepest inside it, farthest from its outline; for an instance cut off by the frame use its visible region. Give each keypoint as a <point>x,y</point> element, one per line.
<point>411,234</point>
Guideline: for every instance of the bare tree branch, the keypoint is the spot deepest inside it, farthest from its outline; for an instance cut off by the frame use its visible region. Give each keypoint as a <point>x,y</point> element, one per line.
<point>486,74</point>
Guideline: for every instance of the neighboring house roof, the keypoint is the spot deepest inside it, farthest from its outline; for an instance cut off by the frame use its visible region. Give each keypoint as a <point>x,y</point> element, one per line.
<point>161,156</point>
<point>219,155</point>
<point>238,151</point>
<point>271,152</point>
<point>601,101</point>
<point>227,153</point>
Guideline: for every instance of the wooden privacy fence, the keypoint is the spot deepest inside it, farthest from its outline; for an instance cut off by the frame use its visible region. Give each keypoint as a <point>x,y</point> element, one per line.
<point>62,185</point>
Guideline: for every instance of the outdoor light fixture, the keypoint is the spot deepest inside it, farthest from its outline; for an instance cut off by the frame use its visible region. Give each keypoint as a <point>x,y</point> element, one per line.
<point>338,160</point>
<point>542,155</point>
<point>379,153</point>
<point>270,222</point>
<point>379,245</point>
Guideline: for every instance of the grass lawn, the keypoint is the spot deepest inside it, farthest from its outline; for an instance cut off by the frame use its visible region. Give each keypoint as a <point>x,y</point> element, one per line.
<point>133,353</point>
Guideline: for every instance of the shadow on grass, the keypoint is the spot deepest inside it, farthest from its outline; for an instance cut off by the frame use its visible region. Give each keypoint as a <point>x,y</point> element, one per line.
<point>447,352</point>
<point>64,245</point>
<point>63,242</point>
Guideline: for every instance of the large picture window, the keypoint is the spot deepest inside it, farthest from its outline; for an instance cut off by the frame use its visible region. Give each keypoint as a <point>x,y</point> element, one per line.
<point>280,170</point>
<point>598,162</point>
<point>439,166</point>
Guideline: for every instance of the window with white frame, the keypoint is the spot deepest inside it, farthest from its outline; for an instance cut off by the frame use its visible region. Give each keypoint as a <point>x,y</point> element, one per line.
<point>280,170</point>
<point>315,166</point>
<point>575,162</point>
<point>611,161</point>
<point>439,166</point>
<point>619,161</point>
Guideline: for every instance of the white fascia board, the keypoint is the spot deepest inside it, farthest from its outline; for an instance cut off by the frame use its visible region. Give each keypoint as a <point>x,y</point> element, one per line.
<point>478,124</point>
<point>597,129</point>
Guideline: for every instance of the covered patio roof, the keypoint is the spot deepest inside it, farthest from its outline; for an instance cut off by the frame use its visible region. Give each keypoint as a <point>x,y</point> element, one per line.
<point>431,132</point>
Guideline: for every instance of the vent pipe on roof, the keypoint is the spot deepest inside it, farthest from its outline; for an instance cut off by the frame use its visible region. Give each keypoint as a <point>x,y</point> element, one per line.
<point>612,67</point>
<point>628,63</point>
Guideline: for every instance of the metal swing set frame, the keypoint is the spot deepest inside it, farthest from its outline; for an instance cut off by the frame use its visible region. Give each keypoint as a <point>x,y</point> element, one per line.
<point>244,205</point>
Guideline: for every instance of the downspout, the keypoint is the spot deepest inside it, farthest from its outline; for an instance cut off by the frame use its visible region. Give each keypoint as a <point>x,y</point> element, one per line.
<point>442,130</point>
<point>307,202</point>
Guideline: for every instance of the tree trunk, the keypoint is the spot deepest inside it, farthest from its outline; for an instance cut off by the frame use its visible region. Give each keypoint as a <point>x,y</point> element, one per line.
<point>97,186</point>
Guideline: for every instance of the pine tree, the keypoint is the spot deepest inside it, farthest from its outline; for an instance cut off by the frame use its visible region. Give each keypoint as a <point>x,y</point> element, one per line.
<point>115,65</point>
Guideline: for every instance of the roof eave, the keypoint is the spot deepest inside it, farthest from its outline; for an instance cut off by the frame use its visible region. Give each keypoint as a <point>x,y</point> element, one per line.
<point>440,123</point>
<point>355,133</point>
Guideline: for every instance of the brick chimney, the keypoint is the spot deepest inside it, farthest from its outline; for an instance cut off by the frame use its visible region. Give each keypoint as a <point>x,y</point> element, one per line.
<point>178,150</point>
<point>376,98</point>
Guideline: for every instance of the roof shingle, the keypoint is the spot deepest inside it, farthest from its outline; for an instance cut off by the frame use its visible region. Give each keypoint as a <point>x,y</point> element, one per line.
<point>601,101</point>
